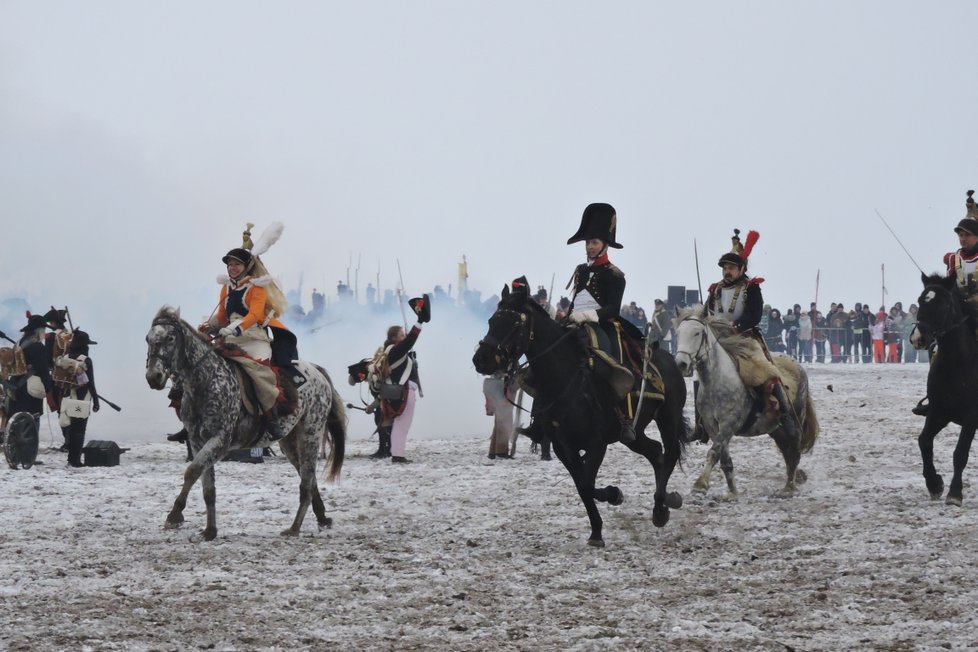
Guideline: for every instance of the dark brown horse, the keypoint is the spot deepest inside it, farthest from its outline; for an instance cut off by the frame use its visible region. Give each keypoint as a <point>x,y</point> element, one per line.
<point>577,410</point>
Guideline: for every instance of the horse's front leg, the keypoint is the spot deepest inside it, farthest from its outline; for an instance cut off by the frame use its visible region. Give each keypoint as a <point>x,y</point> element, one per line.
<point>726,465</point>
<point>932,426</point>
<point>203,458</point>
<point>961,452</point>
<point>702,484</point>
<point>572,462</point>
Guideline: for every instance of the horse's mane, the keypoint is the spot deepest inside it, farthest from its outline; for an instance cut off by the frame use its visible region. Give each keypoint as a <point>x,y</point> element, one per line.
<point>170,313</point>
<point>732,341</point>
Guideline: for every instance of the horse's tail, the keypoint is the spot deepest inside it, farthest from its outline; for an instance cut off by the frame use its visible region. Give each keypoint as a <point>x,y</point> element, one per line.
<point>810,427</point>
<point>335,433</point>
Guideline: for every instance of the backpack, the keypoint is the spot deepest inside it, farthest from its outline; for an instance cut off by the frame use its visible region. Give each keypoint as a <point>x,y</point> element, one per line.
<point>379,375</point>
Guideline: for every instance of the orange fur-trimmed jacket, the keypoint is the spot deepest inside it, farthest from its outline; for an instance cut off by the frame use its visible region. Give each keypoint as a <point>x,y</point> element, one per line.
<point>254,300</point>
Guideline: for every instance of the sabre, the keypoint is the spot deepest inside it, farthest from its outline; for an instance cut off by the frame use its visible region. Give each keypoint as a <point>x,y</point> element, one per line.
<point>699,284</point>
<point>899,243</point>
<point>400,293</point>
<point>645,369</point>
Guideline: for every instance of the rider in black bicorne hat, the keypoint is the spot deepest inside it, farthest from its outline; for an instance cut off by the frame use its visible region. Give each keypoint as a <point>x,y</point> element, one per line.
<point>598,289</point>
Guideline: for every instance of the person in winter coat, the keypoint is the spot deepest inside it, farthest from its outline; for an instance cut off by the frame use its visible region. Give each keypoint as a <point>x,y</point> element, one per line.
<point>775,328</point>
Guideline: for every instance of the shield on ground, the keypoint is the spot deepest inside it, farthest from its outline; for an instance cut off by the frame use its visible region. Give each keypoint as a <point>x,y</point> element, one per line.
<point>20,444</point>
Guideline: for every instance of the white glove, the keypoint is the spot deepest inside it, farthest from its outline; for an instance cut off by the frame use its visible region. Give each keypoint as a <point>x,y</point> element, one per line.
<point>227,331</point>
<point>580,316</point>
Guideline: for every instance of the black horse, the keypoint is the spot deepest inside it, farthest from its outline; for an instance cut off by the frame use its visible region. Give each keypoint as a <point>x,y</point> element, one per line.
<point>946,318</point>
<point>577,410</point>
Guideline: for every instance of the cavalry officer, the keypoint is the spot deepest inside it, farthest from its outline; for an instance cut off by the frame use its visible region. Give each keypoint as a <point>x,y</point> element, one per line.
<point>248,307</point>
<point>598,288</point>
<point>737,298</point>
<point>962,265</point>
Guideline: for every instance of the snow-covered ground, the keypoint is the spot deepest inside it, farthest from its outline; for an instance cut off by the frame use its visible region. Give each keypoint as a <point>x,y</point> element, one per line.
<point>459,552</point>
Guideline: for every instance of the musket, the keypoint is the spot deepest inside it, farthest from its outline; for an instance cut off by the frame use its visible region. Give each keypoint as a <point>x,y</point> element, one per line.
<point>68,316</point>
<point>898,242</point>
<point>550,295</point>
<point>400,294</point>
<point>6,337</point>
<point>699,284</point>
<point>109,403</point>
<point>516,420</point>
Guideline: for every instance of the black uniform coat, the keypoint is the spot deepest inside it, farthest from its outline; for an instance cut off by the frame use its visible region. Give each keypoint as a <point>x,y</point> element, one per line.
<point>605,282</point>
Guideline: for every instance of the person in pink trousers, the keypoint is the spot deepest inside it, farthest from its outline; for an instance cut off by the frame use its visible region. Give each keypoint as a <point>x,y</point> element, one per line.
<point>404,372</point>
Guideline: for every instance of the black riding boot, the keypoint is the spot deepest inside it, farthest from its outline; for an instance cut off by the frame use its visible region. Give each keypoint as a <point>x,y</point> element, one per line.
<point>384,445</point>
<point>922,407</point>
<point>787,418</point>
<point>627,433</point>
<point>178,436</point>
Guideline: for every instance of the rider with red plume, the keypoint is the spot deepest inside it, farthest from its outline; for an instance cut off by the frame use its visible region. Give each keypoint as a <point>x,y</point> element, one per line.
<point>738,297</point>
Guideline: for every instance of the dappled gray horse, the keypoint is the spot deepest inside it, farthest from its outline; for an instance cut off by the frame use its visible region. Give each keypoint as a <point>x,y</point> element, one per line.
<point>214,414</point>
<point>725,404</point>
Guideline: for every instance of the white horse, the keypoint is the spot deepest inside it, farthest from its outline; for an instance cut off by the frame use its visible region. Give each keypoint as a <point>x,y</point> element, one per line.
<point>726,406</point>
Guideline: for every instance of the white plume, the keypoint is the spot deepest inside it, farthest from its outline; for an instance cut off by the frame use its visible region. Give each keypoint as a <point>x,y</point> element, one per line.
<point>269,236</point>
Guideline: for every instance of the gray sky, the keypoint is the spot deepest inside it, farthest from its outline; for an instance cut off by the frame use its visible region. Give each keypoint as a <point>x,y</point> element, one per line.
<point>136,138</point>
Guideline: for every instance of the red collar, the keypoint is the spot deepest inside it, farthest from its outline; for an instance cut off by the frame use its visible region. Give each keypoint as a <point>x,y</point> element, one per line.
<point>600,260</point>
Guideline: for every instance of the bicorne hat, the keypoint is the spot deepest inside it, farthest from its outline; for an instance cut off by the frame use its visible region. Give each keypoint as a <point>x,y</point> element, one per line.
<point>969,224</point>
<point>56,317</point>
<point>599,221</point>
<point>521,285</point>
<point>33,323</point>
<point>739,253</point>
<point>81,340</point>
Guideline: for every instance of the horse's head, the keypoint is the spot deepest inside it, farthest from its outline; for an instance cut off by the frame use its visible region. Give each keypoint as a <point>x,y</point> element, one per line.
<point>162,341</point>
<point>691,338</point>
<point>509,334</point>
<point>939,311</point>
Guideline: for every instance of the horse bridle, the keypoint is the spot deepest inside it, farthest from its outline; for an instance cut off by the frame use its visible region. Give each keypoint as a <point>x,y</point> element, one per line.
<point>521,332</point>
<point>695,357</point>
<point>935,333</point>
<point>154,355</point>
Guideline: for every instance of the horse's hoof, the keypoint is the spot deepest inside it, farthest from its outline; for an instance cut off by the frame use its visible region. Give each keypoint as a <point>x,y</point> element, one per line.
<point>787,491</point>
<point>732,496</point>
<point>952,500</point>
<point>660,516</point>
<point>209,534</point>
<point>674,500</point>
<point>617,497</point>
<point>289,532</point>
<point>172,524</point>
<point>596,543</point>
<point>800,476</point>
<point>699,488</point>
<point>326,523</point>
